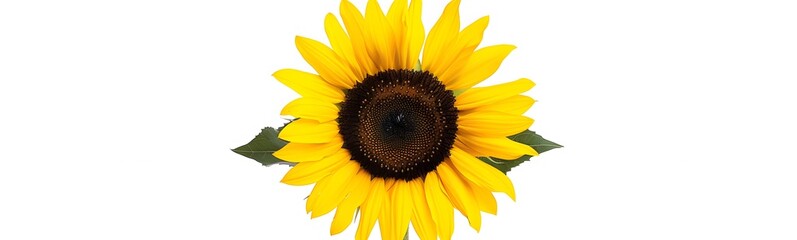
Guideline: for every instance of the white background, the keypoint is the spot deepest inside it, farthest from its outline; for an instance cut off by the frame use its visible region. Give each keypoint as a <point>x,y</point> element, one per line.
<point>116,118</point>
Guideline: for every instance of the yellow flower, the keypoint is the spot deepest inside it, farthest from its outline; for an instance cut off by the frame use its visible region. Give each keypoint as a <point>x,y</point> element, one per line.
<point>379,128</point>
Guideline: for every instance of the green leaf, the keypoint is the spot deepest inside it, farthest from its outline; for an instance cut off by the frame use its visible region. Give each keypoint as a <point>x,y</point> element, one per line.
<point>262,148</point>
<point>535,141</point>
<point>526,137</point>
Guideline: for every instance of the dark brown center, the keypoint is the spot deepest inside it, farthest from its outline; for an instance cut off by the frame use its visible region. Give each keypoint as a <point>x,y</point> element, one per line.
<point>398,123</point>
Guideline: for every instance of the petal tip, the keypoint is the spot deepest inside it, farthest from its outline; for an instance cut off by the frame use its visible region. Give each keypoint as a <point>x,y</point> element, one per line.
<point>286,180</point>
<point>301,40</point>
<point>526,83</point>
<point>532,152</point>
<point>279,73</point>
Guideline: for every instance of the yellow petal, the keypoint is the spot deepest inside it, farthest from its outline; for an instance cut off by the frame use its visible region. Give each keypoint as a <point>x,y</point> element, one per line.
<point>481,65</point>
<point>421,219</point>
<point>483,96</point>
<point>441,36</point>
<point>386,227</point>
<point>357,193</point>
<point>458,143</point>
<point>306,152</point>
<point>314,195</point>
<point>309,131</point>
<point>481,173</point>
<point>379,40</point>
<point>385,216</point>
<point>309,85</point>
<point>460,194</point>
<point>341,43</point>
<point>461,51</point>
<point>395,17</point>
<point>485,199</point>
<point>441,210</point>
<point>371,208</point>
<point>518,105</point>
<point>415,34</point>
<point>306,173</point>
<point>492,124</point>
<point>402,207</point>
<point>310,108</point>
<point>500,147</point>
<point>472,35</point>
<point>329,65</point>
<point>334,193</point>
<point>389,183</point>
<point>355,24</point>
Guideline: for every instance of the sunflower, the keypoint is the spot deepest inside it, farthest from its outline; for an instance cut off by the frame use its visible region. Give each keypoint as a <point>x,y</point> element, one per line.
<point>393,132</point>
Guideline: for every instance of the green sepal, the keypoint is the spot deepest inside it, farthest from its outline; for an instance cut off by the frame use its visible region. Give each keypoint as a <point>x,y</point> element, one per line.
<point>526,137</point>
<point>263,146</point>
<point>458,92</point>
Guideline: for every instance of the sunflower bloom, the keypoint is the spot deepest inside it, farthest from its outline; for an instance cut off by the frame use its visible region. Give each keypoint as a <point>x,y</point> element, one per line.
<point>392,132</point>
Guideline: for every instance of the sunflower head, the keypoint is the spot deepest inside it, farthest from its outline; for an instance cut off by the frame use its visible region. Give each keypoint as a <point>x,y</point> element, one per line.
<point>389,121</point>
